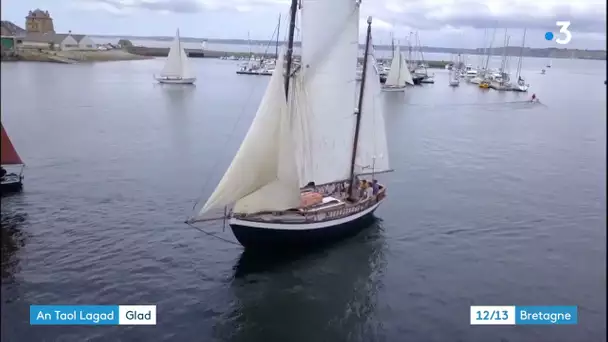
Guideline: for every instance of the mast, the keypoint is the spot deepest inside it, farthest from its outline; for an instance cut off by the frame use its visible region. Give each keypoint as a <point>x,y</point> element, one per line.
<point>392,45</point>
<point>521,55</point>
<point>276,51</point>
<point>504,53</point>
<point>292,27</point>
<point>179,51</point>
<point>249,44</point>
<point>490,50</point>
<point>409,49</point>
<point>359,106</point>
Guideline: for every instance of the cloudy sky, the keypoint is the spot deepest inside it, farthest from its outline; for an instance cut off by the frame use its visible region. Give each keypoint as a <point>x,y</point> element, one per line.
<point>447,23</point>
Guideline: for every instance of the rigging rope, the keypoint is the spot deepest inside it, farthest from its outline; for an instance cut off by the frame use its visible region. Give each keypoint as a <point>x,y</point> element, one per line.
<point>230,136</point>
<point>212,235</point>
<point>474,104</point>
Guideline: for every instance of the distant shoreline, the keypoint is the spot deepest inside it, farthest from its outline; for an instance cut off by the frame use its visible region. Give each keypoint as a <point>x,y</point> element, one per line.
<point>497,51</point>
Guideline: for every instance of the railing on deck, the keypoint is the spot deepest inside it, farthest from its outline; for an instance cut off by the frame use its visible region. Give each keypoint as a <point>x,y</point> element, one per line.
<point>315,216</point>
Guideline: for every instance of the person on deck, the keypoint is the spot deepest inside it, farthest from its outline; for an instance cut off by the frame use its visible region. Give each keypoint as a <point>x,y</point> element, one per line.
<point>2,172</point>
<point>533,97</point>
<point>363,189</point>
<point>369,191</point>
<point>375,187</point>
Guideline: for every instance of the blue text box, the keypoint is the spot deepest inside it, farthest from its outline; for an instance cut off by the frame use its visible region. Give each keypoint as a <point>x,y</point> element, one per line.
<point>74,315</point>
<point>546,315</point>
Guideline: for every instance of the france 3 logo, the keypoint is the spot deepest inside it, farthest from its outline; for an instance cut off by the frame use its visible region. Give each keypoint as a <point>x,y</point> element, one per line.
<point>563,29</point>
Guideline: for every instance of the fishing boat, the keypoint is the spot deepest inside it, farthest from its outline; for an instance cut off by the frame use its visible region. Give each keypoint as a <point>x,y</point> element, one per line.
<point>399,74</point>
<point>11,181</point>
<point>293,181</point>
<point>177,68</point>
<point>501,80</point>
<point>262,67</point>
<point>421,70</point>
<point>255,68</point>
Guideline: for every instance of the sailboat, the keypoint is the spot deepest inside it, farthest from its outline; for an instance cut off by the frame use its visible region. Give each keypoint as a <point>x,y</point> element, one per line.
<point>399,74</point>
<point>11,182</point>
<point>454,79</point>
<point>426,78</point>
<point>521,84</point>
<point>453,74</point>
<point>177,68</point>
<point>293,181</point>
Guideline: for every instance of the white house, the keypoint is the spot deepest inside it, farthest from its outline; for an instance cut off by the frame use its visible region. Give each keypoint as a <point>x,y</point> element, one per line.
<point>56,41</point>
<point>47,41</point>
<point>84,42</point>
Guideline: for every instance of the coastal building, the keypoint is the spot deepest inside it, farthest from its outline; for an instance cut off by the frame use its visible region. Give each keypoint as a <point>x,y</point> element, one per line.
<point>55,41</point>
<point>47,41</point>
<point>38,21</point>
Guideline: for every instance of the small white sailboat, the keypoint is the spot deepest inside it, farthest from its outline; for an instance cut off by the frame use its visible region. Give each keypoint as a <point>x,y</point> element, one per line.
<point>399,74</point>
<point>454,79</point>
<point>293,181</point>
<point>177,67</point>
<point>521,84</point>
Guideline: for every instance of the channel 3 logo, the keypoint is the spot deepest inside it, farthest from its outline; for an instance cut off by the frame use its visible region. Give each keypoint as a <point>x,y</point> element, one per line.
<point>563,29</point>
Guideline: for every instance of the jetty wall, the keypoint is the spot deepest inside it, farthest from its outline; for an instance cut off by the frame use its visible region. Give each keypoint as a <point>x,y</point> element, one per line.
<point>198,53</point>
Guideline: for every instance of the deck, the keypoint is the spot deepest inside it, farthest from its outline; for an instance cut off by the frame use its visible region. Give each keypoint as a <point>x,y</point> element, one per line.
<point>335,205</point>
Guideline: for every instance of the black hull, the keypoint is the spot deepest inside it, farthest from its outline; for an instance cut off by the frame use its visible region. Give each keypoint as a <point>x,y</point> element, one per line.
<point>7,188</point>
<point>254,73</point>
<point>418,80</point>
<point>278,240</point>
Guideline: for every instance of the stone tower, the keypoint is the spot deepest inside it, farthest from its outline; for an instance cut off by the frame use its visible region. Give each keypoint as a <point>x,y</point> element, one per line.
<point>39,21</point>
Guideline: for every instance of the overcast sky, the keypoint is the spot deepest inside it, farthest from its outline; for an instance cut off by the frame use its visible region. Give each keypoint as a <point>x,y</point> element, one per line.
<point>446,23</point>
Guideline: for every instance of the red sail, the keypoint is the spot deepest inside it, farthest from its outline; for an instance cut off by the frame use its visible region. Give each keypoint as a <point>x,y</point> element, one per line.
<point>9,155</point>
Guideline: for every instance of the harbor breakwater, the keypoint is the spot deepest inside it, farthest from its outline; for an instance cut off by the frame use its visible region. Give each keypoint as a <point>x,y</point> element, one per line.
<point>198,53</point>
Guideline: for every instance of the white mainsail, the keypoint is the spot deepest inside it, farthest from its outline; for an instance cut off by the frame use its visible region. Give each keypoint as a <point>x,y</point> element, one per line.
<point>399,74</point>
<point>310,137</point>
<point>372,149</point>
<point>176,64</point>
<point>330,47</point>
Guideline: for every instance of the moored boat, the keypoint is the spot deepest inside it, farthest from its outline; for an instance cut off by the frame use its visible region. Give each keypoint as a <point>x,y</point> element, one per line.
<point>10,181</point>
<point>399,74</point>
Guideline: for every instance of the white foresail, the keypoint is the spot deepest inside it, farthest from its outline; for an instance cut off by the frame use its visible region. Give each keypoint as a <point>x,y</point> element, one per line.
<point>404,72</point>
<point>392,79</point>
<point>372,150</point>
<point>263,174</point>
<point>330,33</point>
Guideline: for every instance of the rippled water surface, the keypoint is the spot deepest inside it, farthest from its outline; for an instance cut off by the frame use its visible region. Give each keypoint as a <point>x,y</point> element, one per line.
<point>493,202</point>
